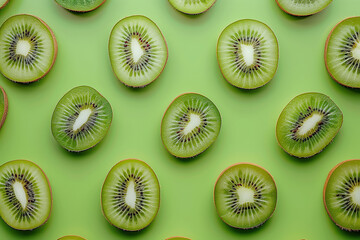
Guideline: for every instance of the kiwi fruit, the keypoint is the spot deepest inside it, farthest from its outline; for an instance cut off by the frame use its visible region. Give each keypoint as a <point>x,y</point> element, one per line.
<point>190,125</point>
<point>245,195</point>
<point>342,195</point>
<point>3,106</point>
<point>178,238</point>
<point>248,54</point>
<point>130,196</point>
<point>81,119</point>
<point>192,6</point>
<point>71,237</point>
<point>138,51</point>
<point>25,195</point>
<point>342,52</point>
<point>3,3</point>
<point>80,5</point>
<point>303,7</point>
<point>308,124</point>
<point>28,47</point>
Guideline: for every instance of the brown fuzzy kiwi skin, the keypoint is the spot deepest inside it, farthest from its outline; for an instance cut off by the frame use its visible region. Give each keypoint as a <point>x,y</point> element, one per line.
<point>6,106</point>
<point>278,53</point>
<point>324,191</point>
<point>71,236</point>
<point>167,50</point>
<point>240,163</point>
<point>194,14</point>
<point>321,149</point>
<point>102,188</point>
<point>177,237</point>
<point>4,4</point>
<point>82,11</point>
<point>296,15</point>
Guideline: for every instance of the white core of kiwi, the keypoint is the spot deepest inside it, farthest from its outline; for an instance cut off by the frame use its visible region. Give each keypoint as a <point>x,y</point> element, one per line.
<point>194,122</point>
<point>355,195</point>
<point>245,195</point>
<point>20,194</point>
<point>136,50</point>
<point>82,118</point>
<point>247,52</point>
<point>310,124</point>
<point>356,51</point>
<point>23,47</point>
<point>130,197</point>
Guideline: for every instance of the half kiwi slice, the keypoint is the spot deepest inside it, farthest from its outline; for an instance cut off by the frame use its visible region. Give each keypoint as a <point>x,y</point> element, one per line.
<point>342,52</point>
<point>25,195</point>
<point>342,195</point>
<point>192,6</point>
<point>137,50</point>
<point>81,119</point>
<point>130,197</point>
<point>71,237</point>
<point>28,48</point>
<point>3,3</point>
<point>80,5</point>
<point>308,124</point>
<point>245,195</point>
<point>248,54</point>
<point>3,106</point>
<point>190,125</point>
<point>302,7</point>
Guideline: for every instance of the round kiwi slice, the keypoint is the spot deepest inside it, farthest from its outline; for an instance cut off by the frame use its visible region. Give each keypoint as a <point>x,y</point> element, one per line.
<point>308,124</point>
<point>3,3</point>
<point>192,6</point>
<point>130,196</point>
<point>178,238</point>
<point>3,106</point>
<point>71,237</point>
<point>342,52</point>
<point>190,125</point>
<point>302,7</point>
<point>25,195</point>
<point>245,195</point>
<point>137,50</point>
<point>342,195</point>
<point>29,48</point>
<point>81,119</point>
<point>80,5</point>
<point>248,53</point>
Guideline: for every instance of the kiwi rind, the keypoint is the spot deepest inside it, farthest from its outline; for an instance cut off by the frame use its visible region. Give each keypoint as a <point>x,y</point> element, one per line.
<point>347,228</point>
<point>190,11</point>
<point>253,165</point>
<point>4,3</point>
<point>177,238</point>
<point>55,50</point>
<point>71,237</point>
<point>3,117</point>
<point>46,181</point>
<point>288,11</point>
<point>80,9</point>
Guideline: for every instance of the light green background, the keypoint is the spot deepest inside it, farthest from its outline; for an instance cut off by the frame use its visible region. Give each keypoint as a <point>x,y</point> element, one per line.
<point>247,134</point>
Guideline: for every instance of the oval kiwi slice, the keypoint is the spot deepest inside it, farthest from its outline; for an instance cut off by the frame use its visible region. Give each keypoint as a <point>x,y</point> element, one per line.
<point>71,237</point>
<point>25,195</point>
<point>137,50</point>
<point>342,52</point>
<point>308,124</point>
<point>190,125</point>
<point>248,53</point>
<point>3,3</point>
<point>192,6</point>
<point>130,197</point>
<point>302,7</point>
<point>28,48</point>
<point>245,195</point>
<point>80,5</point>
<point>81,119</point>
<point>342,195</point>
<point>3,106</point>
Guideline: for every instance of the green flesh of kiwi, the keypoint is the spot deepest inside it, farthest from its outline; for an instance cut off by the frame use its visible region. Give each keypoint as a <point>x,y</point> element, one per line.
<point>303,7</point>
<point>137,50</point>
<point>342,195</point>
<point>3,106</point>
<point>308,124</point>
<point>80,5</point>
<point>3,3</point>
<point>190,125</point>
<point>245,195</point>
<point>248,53</point>
<point>192,6</point>
<point>28,48</point>
<point>342,52</point>
<point>71,237</point>
<point>81,119</point>
<point>25,195</point>
<point>130,196</point>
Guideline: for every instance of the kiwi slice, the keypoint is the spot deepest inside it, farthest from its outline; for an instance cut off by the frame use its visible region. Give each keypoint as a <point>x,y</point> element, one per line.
<point>245,195</point>
<point>80,5</point>
<point>342,195</point>
<point>190,125</point>
<point>308,124</point>
<point>3,106</point>
<point>248,53</point>
<point>342,52</point>
<point>137,50</point>
<point>178,238</point>
<point>28,48</point>
<point>71,237</point>
<point>192,6</point>
<point>81,119</point>
<point>302,7</point>
<point>25,195</point>
<point>130,197</point>
<point>3,3</point>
